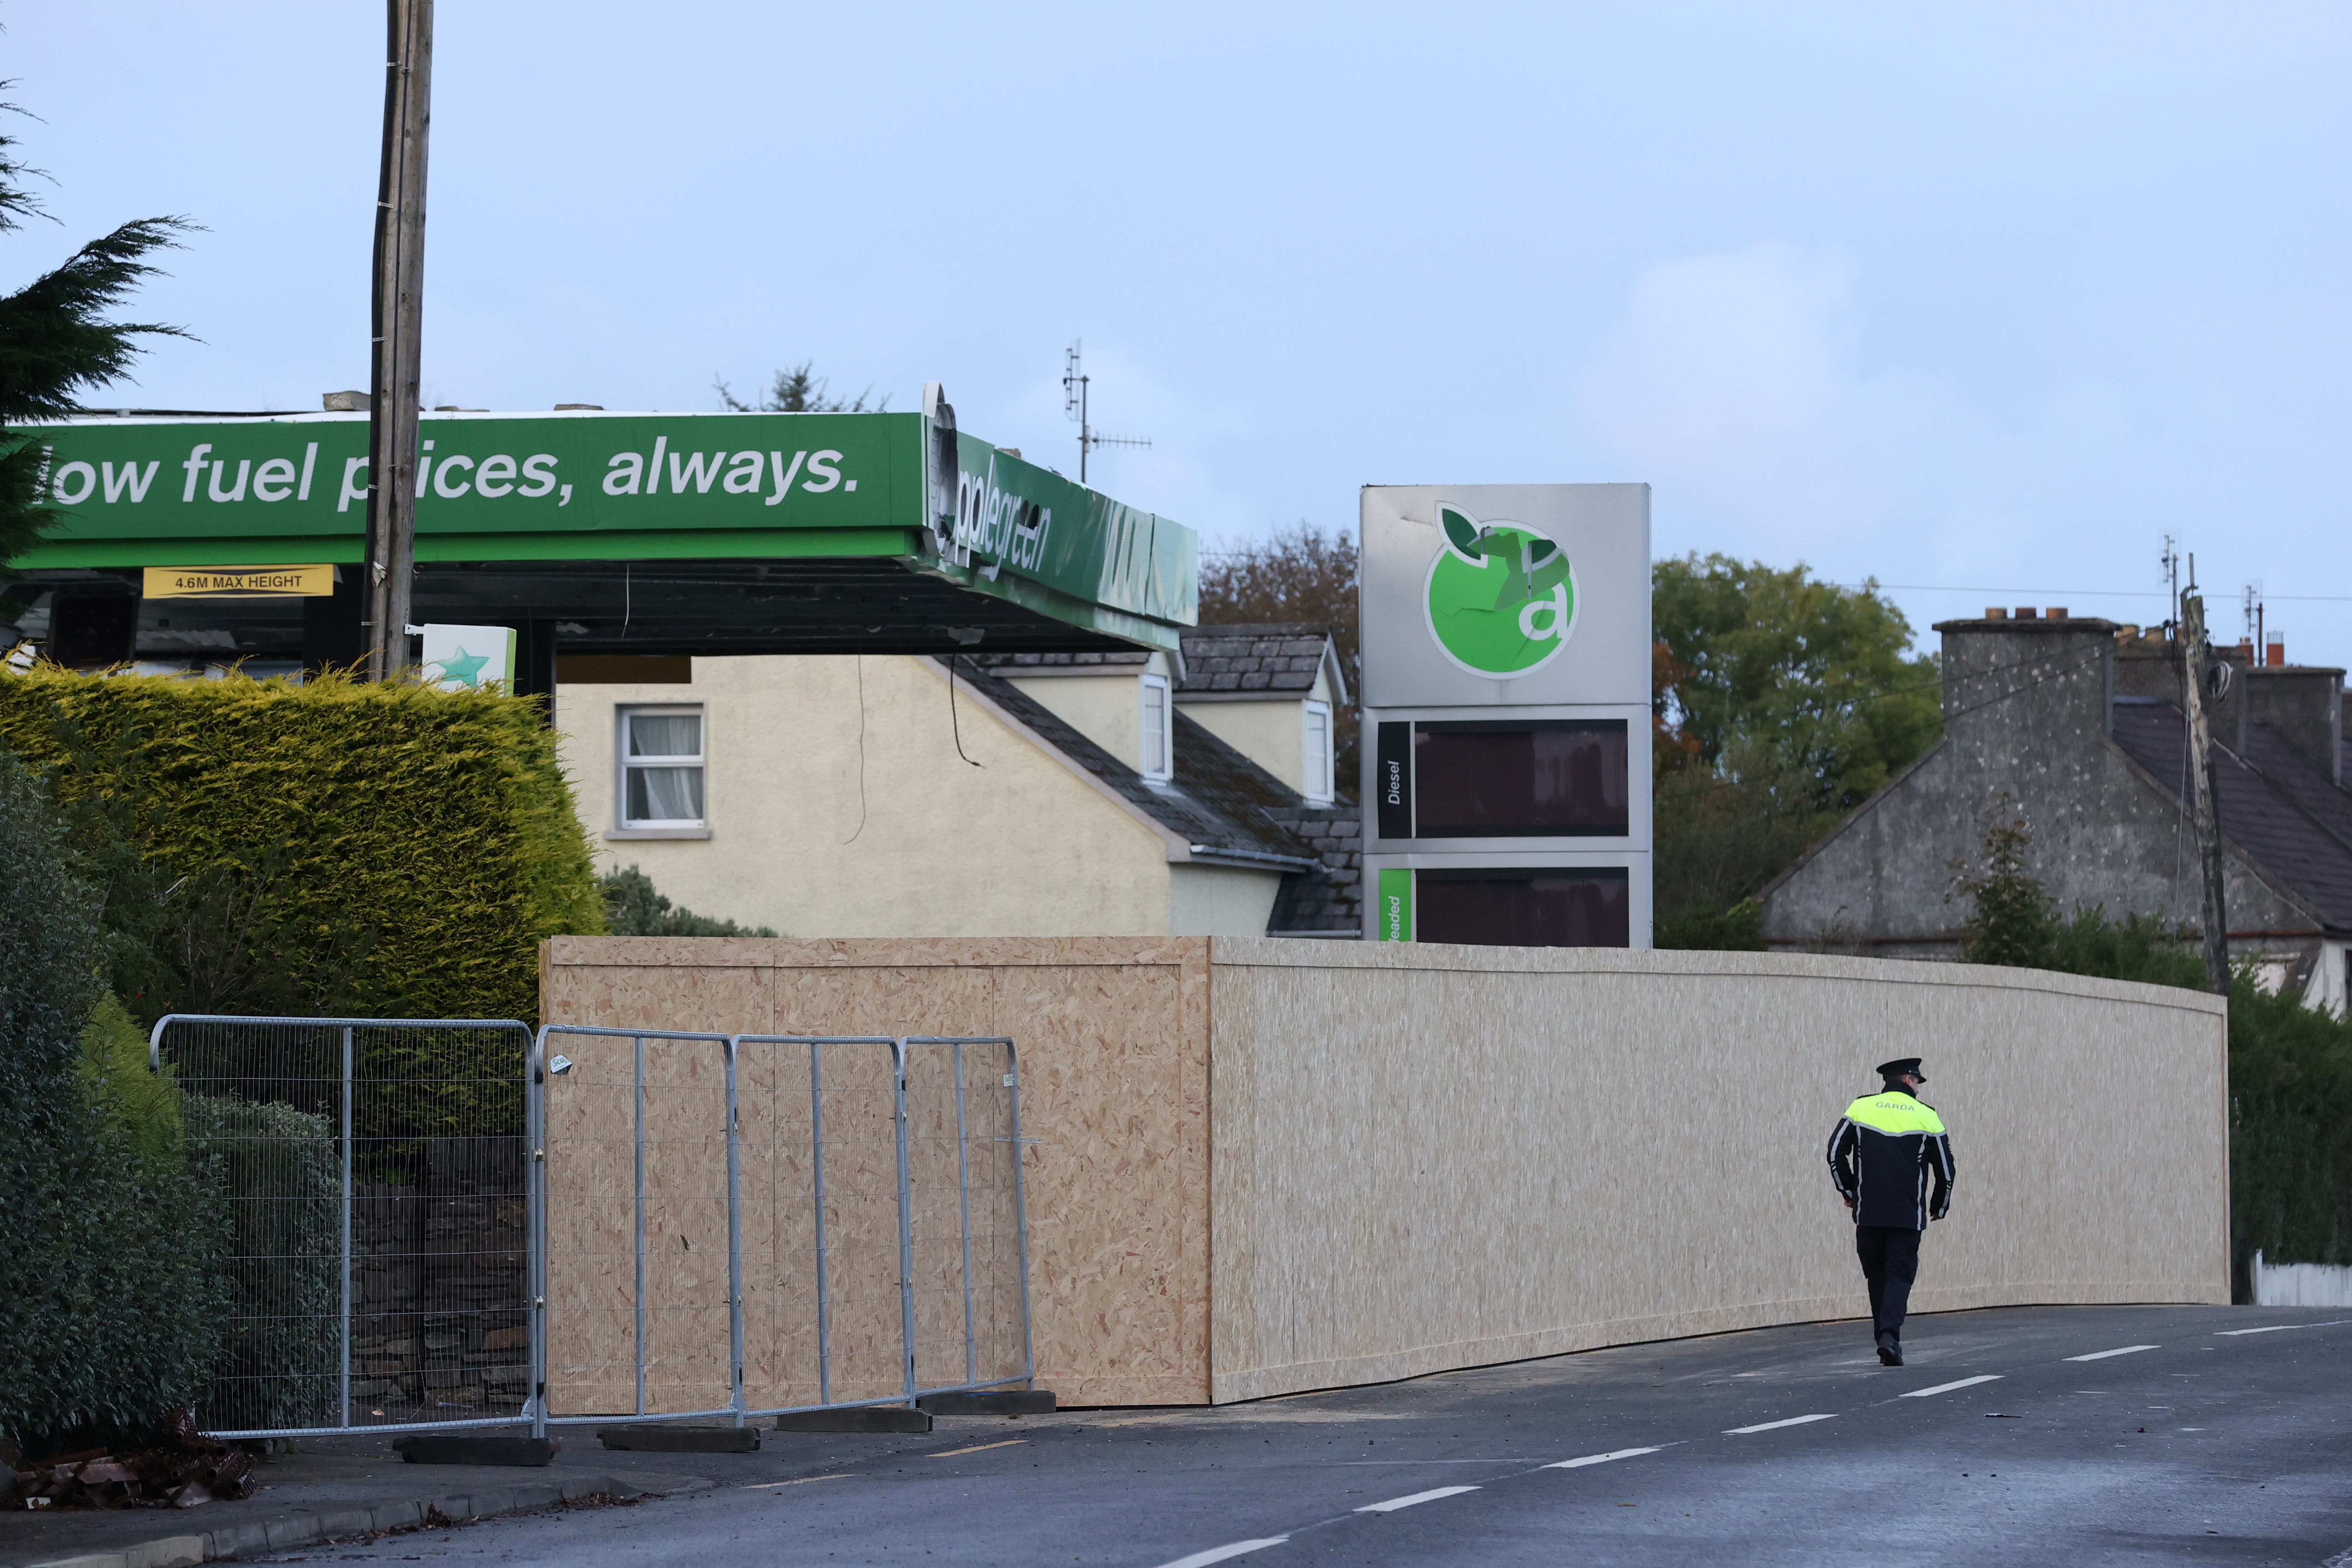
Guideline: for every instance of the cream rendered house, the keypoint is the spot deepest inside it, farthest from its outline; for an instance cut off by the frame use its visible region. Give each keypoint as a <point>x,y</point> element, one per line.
<point>1037,795</point>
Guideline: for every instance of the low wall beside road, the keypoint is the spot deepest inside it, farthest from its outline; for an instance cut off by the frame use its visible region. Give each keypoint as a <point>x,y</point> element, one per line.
<point>1264,1165</point>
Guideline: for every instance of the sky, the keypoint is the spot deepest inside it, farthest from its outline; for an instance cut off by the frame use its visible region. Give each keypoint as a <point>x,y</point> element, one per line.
<point>1979,301</point>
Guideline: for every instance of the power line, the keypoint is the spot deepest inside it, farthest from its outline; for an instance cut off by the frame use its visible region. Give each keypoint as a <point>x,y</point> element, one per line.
<point>2048,593</point>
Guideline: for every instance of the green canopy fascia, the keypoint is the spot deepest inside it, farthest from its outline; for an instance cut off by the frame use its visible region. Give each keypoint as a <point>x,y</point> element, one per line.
<point>591,487</point>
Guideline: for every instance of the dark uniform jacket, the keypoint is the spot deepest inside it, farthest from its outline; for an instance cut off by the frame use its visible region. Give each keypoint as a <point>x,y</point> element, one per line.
<point>1882,1152</point>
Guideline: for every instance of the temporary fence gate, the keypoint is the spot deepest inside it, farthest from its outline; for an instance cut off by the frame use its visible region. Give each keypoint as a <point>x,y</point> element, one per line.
<point>374,1184</point>
<point>442,1223</point>
<point>863,1193</point>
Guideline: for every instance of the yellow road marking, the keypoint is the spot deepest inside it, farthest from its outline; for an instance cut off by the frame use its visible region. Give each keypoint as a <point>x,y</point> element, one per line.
<point>765,1486</point>
<point>981,1449</point>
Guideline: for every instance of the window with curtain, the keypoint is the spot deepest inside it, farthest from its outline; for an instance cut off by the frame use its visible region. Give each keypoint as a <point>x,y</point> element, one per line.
<point>1157,760</point>
<point>1318,768</point>
<point>661,767</point>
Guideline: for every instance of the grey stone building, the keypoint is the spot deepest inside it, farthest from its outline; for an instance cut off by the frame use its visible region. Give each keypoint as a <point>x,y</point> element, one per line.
<point>2078,722</point>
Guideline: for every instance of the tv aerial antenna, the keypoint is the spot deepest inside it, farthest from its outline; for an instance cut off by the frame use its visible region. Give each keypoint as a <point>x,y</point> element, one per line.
<point>1074,403</point>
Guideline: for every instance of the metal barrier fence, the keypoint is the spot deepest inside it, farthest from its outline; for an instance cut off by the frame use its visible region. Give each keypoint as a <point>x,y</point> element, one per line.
<point>702,1225</point>
<point>862,1191</point>
<point>375,1186</point>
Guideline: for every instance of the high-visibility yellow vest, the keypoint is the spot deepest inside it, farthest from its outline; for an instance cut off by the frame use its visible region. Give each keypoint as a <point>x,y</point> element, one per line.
<point>1896,1114</point>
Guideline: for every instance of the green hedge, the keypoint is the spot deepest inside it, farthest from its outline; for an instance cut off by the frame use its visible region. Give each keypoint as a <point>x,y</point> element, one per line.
<point>109,1296</point>
<point>279,1189</point>
<point>326,847</point>
<point>2290,1066</point>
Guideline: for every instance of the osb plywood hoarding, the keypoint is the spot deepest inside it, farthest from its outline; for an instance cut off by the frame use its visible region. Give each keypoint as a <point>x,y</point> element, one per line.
<point>1113,1041</point>
<point>1429,1156</point>
<point>1266,1166</point>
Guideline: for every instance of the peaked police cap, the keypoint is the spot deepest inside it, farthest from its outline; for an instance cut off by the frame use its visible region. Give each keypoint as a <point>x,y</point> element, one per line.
<point>1908,1065</point>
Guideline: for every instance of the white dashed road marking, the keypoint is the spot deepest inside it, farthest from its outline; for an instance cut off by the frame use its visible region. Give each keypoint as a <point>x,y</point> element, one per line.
<point>1597,1459</point>
<point>1432,1495</point>
<point>2103,1354</point>
<point>2274,1328</point>
<point>1948,1387</point>
<point>1776,1425</point>
<point>1219,1553</point>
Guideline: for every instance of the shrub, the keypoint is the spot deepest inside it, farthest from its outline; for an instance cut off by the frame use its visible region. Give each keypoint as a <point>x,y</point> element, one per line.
<point>2290,1066</point>
<point>1739,928</point>
<point>144,1103</point>
<point>2012,920</point>
<point>633,908</point>
<point>2290,1130</point>
<point>278,1188</point>
<point>109,1298</point>
<point>332,847</point>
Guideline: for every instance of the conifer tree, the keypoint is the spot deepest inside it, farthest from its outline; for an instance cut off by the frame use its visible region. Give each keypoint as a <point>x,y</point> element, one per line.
<point>55,340</point>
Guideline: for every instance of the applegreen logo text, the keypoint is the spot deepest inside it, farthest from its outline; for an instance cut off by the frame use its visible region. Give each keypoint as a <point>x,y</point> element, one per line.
<point>1501,598</point>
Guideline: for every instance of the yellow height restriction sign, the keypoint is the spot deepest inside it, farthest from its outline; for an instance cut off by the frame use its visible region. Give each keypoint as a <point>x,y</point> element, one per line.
<point>237,581</point>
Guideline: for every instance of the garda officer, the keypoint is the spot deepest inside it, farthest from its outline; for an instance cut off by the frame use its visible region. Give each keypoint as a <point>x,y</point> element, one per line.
<point>1882,1154</point>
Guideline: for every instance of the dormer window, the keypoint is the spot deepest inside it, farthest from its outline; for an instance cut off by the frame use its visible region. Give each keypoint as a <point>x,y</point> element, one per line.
<point>1315,753</point>
<point>1157,762</point>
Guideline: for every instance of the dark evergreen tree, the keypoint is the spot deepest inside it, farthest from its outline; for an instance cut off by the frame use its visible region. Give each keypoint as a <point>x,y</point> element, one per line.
<point>798,391</point>
<point>633,907</point>
<point>55,341</point>
<point>2012,919</point>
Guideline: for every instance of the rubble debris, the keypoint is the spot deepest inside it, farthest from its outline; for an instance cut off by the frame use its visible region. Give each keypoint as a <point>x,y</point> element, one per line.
<point>187,1468</point>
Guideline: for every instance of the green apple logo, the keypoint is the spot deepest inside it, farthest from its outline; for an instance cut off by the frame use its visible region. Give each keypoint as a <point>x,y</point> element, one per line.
<point>1501,600</point>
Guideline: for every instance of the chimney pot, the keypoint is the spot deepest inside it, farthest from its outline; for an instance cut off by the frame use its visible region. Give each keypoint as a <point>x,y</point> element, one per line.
<point>2275,649</point>
<point>1995,612</point>
<point>2027,612</point>
<point>2057,614</point>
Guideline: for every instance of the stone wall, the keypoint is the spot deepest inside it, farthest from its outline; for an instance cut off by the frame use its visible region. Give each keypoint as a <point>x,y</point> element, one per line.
<point>440,1287</point>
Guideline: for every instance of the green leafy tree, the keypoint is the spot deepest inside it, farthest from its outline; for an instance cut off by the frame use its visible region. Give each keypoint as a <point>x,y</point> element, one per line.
<point>798,391</point>
<point>55,341</point>
<point>1780,702</point>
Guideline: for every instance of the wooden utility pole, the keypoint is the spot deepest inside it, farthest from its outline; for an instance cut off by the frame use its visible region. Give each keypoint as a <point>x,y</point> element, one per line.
<point>394,389</point>
<point>2205,807</point>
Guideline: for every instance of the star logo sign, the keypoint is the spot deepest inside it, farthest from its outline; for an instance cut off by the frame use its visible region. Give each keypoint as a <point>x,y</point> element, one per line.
<point>464,668</point>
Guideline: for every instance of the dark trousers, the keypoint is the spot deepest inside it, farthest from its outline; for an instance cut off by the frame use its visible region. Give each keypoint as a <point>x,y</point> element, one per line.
<point>1890,1262</point>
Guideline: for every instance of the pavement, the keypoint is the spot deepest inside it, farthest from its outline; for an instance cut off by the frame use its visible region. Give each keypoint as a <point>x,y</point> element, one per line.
<point>2080,1434</point>
<point>334,1487</point>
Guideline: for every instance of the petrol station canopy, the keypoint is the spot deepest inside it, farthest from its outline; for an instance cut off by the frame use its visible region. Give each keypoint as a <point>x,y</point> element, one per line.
<point>602,533</point>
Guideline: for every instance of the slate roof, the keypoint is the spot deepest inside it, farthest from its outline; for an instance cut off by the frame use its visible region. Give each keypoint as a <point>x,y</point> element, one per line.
<point>1330,899</point>
<point>2268,753</point>
<point>1213,803</point>
<point>1013,664</point>
<point>1325,897</point>
<point>1274,660</point>
<point>2276,809</point>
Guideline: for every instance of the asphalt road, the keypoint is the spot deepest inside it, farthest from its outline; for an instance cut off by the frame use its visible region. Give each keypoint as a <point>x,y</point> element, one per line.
<point>2078,1434</point>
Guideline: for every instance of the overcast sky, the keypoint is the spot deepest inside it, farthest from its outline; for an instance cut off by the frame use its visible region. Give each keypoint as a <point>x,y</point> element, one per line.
<point>1981,297</point>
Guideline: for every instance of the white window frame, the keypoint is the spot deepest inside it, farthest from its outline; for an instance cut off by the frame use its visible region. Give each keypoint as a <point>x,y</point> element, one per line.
<point>1161,768</point>
<point>622,828</point>
<point>1313,756</point>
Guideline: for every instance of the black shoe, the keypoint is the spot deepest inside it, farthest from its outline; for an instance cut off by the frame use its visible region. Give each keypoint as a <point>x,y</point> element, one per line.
<point>1890,1350</point>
